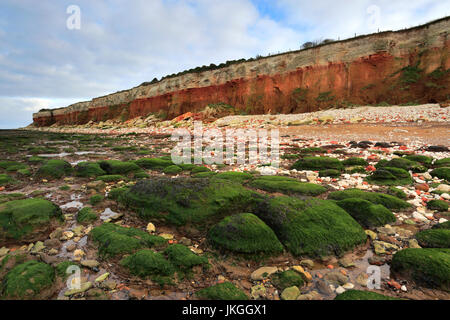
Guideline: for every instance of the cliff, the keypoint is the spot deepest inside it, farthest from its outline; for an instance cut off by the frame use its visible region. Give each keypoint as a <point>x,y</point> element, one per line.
<point>407,66</point>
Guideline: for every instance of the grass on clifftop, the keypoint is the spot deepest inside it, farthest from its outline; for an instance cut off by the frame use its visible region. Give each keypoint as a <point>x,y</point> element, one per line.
<point>244,233</point>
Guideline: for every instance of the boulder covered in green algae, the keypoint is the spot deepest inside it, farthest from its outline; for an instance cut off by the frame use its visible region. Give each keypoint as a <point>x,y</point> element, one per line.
<point>362,295</point>
<point>390,176</point>
<point>312,227</point>
<point>429,267</point>
<point>318,163</point>
<point>369,215</point>
<point>28,219</point>
<point>222,291</point>
<point>187,200</point>
<point>386,200</point>
<point>54,169</point>
<point>244,233</point>
<point>287,185</point>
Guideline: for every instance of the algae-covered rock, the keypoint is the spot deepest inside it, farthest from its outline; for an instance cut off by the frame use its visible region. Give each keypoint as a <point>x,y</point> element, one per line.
<point>89,169</point>
<point>174,169</point>
<point>354,161</point>
<point>54,169</point>
<point>116,167</point>
<point>386,200</point>
<point>86,215</point>
<point>362,295</point>
<point>244,233</point>
<point>287,185</point>
<point>429,267</point>
<point>154,163</point>
<point>318,163</point>
<point>313,227</point>
<point>184,200</point>
<point>434,238</point>
<point>6,179</point>
<point>439,205</point>
<point>28,219</point>
<point>286,279</point>
<point>28,280</point>
<point>234,176</point>
<point>114,240</point>
<point>441,173</point>
<point>149,264</point>
<point>222,291</point>
<point>182,257</point>
<point>369,215</point>
<point>389,176</point>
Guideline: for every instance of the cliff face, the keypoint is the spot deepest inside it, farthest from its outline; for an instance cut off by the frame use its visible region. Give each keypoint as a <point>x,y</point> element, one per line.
<point>409,66</point>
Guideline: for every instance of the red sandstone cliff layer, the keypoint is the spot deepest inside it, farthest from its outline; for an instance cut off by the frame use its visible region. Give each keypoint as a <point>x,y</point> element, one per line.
<point>409,66</point>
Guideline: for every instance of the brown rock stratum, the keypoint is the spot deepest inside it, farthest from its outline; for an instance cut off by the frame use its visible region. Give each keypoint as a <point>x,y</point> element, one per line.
<point>405,66</point>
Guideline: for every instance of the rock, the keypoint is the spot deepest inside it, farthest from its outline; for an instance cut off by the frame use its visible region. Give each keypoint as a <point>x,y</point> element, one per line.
<point>90,263</point>
<point>67,235</point>
<point>346,262</point>
<point>387,229</point>
<point>3,251</point>
<point>371,234</point>
<point>313,295</point>
<point>78,253</point>
<point>336,278</point>
<point>412,243</point>
<point>263,273</point>
<point>419,216</point>
<point>84,287</point>
<point>362,279</point>
<point>48,259</point>
<point>307,263</point>
<point>377,260</point>
<point>382,247</point>
<point>96,185</point>
<point>306,275</point>
<point>52,243</point>
<point>323,287</point>
<point>427,176</point>
<point>443,188</point>
<point>348,286</point>
<point>110,284</point>
<point>166,236</point>
<point>38,247</point>
<point>102,277</point>
<point>185,241</point>
<point>437,149</point>
<point>258,291</point>
<point>290,293</point>
<point>53,252</point>
<point>151,228</point>
<point>423,187</point>
<point>340,290</point>
<point>403,288</point>
<point>71,247</point>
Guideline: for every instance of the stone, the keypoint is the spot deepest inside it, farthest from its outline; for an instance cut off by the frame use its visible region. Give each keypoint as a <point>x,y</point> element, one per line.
<point>377,260</point>
<point>443,188</point>
<point>38,247</point>
<point>336,278</point>
<point>3,251</point>
<point>258,291</point>
<point>90,263</point>
<point>102,277</point>
<point>52,243</point>
<point>371,234</point>
<point>290,293</point>
<point>53,252</point>
<point>346,262</point>
<point>185,241</point>
<point>313,295</point>
<point>307,263</point>
<point>323,287</point>
<point>84,287</point>
<point>412,243</point>
<point>306,275</point>
<point>263,273</point>
<point>110,284</point>
<point>423,187</point>
<point>362,278</point>
<point>382,247</point>
<point>151,228</point>
<point>71,247</point>
<point>340,290</point>
<point>78,253</point>
<point>166,236</point>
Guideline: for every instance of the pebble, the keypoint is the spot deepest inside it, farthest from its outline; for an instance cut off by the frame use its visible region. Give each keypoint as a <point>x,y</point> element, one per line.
<point>340,290</point>
<point>258,291</point>
<point>307,263</point>
<point>151,228</point>
<point>102,277</point>
<point>84,287</point>
<point>290,293</point>
<point>263,273</point>
<point>3,251</point>
<point>90,263</point>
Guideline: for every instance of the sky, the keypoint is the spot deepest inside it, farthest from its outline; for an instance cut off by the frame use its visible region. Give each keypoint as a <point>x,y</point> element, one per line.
<point>48,60</point>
